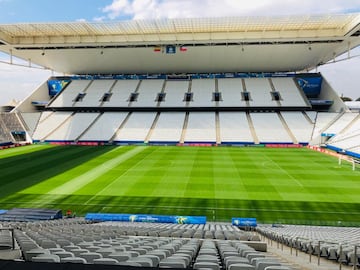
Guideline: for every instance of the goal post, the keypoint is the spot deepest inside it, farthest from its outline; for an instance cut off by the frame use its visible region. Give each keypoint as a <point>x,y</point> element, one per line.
<point>354,162</point>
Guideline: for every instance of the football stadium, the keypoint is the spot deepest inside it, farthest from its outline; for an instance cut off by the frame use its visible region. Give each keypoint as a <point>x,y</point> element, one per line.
<point>199,143</point>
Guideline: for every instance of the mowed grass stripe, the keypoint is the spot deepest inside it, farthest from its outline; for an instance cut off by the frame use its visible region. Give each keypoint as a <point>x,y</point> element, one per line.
<point>74,184</point>
<point>217,182</point>
<point>33,168</point>
<point>91,171</point>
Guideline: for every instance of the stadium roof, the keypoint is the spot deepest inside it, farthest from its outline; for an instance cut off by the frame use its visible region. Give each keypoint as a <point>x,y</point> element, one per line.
<point>241,44</point>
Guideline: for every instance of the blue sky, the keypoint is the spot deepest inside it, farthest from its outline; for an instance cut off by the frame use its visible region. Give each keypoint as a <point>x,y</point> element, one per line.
<point>17,82</point>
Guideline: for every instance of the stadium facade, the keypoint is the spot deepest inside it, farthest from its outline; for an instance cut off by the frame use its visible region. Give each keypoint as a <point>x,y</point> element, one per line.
<point>236,80</point>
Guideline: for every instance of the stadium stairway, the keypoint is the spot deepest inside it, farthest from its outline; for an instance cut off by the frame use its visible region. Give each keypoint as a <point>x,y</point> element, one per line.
<point>213,246</point>
<point>301,260</point>
<point>144,245</point>
<point>315,252</point>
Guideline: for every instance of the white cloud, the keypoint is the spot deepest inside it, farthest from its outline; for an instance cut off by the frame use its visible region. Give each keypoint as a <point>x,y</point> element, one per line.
<point>343,76</point>
<point>18,82</point>
<point>153,9</point>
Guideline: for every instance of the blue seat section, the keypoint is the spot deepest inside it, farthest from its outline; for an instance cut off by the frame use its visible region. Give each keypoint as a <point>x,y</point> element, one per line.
<point>3,211</point>
<point>244,222</point>
<point>146,218</point>
<point>30,214</point>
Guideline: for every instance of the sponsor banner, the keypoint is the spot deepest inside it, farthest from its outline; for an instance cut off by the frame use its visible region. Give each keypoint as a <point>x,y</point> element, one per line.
<point>244,222</point>
<point>146,218</point>
<point>55,86</point>
<point>282,145</point>
<point>310,85</point>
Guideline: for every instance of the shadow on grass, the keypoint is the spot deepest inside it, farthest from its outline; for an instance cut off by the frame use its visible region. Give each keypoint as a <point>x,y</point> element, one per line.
<point>22,171</point>
<point>285,212</point>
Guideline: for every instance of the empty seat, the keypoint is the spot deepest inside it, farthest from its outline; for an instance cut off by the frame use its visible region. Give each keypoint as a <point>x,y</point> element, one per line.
<point>172,263</point>
<point>262,265</point>
<point>207,258</point>
<point>70,247</point>
<point>63,242</point>
<point>208,265</point>
<point>46,258</point>
<point>105,261</point>
<point>256,260</point>
<point>127,263</point>
<point>72,260</point>
<point>120,256</point>
<point>234,259</point>
<point>92,248</point>
<point>143,261</point>
<point>90,256</point>
<point>105,251</point>
<point>154,258</point>
<point>281,267</point>
<point>77,252</point>
<point>48,244</point>
<point>241,266</point>
<point>34,253</point>
<point>63,254</point>
<point>159,253</point>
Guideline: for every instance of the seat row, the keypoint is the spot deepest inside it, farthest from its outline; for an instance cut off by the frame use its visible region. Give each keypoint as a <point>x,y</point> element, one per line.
<point>163,253</point>
<point>337,244</point>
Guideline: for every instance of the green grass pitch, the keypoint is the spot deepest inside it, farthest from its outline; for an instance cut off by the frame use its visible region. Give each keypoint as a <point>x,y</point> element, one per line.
<point>297,186</point>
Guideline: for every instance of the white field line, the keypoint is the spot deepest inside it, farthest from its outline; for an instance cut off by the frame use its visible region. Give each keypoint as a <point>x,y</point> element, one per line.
<point>77,183</point>
<point>284,171</point>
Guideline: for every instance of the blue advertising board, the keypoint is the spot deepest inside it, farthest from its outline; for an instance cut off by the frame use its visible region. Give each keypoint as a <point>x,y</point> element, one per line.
<point>244,222</point>
<point>146,218</point>
<point>310,85</point>
<point>55,86</point>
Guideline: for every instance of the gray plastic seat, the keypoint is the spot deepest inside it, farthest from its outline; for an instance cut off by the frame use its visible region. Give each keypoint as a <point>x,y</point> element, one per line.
<point>241,266</point>
<point>281,267</point>
<point>105,261</point>
<point>159,253</point>
<point>77,252</point>
<point>207,258</point>
<point>257,260</point>
<point>235,259</point>
<point>155,259</point>
<point>120,256</point>
<point>253,255</point>
<point>127,263</point>
<point>172,263</point>
<point>208,265</point>
<point>143,261</point>
<point>70,247</point>
<point>48,244</point>
<point>105,252</point>
<point>46,258</point>
<point>72,260</point>
<point>263,264</point>
<point>90,256</point>
<point>64,254</point>
<point>92,248</point>
<point>35,252</point>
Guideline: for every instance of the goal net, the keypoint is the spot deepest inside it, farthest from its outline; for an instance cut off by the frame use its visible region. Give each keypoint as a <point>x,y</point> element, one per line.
<point>355,163</point>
